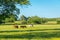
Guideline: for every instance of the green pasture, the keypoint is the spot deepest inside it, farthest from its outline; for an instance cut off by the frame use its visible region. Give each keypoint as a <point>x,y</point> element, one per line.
<point>37,32</point>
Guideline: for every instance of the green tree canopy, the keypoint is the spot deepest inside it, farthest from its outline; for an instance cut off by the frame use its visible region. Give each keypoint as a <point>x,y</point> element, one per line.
<point>23,19</point>
<point>8,7</point>
<point>34,20</point>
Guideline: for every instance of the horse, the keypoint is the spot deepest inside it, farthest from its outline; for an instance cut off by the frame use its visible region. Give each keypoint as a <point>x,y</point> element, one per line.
<point>15,26</point>
<point>31,25</point>
<point>23,26</point>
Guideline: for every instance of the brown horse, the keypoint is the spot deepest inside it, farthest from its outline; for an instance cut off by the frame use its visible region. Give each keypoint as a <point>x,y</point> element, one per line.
<point>15,26</point>
<point>23,26</point>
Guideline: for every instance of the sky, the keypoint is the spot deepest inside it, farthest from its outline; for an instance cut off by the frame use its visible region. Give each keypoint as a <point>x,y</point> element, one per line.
<point>42,8</point>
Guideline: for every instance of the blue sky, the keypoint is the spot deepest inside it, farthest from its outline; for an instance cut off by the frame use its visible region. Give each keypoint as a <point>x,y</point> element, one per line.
<point>42,8</point>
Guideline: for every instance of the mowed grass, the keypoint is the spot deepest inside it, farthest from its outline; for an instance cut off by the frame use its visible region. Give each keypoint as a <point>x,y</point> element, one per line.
<point>37,32</point>
<point>35,27</point>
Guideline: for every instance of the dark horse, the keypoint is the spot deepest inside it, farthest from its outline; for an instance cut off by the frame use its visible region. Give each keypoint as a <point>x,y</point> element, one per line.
<point>15,26</point>
<point>23,26</point>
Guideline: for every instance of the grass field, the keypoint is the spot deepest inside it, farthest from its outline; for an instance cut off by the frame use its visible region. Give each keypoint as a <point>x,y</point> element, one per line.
<point>37,32</point>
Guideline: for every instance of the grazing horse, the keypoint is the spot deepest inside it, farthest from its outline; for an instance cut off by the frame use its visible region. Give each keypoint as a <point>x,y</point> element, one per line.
<point>31,25</point>
<point>16,26</point>
<point>23,26</point>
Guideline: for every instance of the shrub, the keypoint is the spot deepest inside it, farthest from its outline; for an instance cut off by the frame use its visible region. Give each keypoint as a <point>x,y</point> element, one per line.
<point>58,22</point>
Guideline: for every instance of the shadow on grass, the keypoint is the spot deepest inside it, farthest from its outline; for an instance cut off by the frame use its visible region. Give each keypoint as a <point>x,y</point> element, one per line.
<point>33,35</point>
<point>29,36</point>
<point>46,34</point>
<point>12,31</point>
<point>27,30</point>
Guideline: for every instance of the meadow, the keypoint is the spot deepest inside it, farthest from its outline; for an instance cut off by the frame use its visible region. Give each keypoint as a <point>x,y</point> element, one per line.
<point>37,32</point>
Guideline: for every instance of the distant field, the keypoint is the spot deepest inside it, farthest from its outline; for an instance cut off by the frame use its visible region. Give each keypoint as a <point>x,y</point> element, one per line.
<point>37,32</point>
<point>51,22</point>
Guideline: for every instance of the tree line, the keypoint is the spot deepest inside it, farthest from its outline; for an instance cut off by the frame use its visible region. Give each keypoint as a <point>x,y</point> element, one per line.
<point>32,20</point>
<point>37,20</point>
<point>29,20</point>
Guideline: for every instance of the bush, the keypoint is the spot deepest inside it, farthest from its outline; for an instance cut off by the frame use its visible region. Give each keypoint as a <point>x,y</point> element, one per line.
<point>23,22</point>
<point>58,22</point>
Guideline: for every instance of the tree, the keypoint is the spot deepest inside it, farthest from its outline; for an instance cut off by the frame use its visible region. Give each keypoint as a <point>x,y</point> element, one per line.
<point>23,19</point>
<point>43,20</point>
<point>11,18</point>
<point>58,21</point>
<point>34,20</point>
<point>8,7</point>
